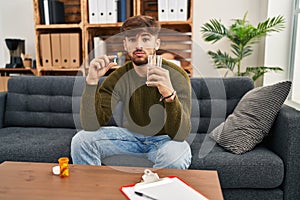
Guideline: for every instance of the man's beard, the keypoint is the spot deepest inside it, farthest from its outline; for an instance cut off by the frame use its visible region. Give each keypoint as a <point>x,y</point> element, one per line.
<point>139,61</point>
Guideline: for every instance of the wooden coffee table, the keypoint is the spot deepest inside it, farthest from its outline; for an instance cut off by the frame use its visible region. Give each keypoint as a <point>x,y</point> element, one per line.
<point>24,180</point>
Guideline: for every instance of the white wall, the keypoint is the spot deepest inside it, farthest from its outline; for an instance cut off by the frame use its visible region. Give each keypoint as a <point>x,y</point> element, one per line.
<point>16,21</point>
<point>205,10</point>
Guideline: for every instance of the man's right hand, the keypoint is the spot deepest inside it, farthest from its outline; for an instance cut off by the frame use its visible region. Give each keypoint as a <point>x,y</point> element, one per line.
<point>98,67</point>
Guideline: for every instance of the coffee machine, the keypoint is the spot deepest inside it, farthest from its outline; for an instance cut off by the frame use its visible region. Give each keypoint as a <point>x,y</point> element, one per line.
<point>16,48</point>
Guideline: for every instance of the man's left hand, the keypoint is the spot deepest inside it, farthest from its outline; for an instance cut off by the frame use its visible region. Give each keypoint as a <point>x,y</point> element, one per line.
<point>160,78</point>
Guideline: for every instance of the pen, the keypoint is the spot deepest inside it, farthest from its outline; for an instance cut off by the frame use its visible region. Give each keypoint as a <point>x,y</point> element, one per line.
<point>144,195</point>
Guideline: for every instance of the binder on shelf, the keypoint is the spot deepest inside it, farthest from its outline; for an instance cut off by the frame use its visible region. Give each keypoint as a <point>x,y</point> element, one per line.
<point>65,49</point>
<point>45,47</point>
<point>111,11</point>
<point>74,50</point>
<point>102,11</point>
<point>42,13</point>
<point>129,8</point>
<point>172,10</point>
<point>162,10</point>
<point>46,12</point>
<point>182,7</point>
<point>122,10</point>
<point>55,49</point>
<point>54,12</point>
<point>93,11</point>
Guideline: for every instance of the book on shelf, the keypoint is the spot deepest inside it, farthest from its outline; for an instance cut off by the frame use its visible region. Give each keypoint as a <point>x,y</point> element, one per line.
<point>57,12</point>
<point>99,47</point>
<point>42,11</point>
<point>124,10</point>
<point>51,12</point>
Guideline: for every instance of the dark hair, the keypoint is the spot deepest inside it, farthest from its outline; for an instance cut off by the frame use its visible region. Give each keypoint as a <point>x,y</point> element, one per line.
<point>136,24</point>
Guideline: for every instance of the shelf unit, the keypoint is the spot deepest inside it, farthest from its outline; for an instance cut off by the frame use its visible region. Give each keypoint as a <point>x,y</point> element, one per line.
<point>177,37</point>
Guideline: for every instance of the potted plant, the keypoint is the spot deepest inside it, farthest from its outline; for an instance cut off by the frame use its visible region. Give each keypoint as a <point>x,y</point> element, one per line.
<point>242,36</point>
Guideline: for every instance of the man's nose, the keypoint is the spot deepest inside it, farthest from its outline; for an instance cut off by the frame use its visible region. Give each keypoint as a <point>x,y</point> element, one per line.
<point>138,48</point>
<point>139,44</point>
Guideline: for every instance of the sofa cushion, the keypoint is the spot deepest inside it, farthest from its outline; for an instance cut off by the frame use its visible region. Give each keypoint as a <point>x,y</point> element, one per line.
<point>252,119</point>
<point>259,168</point>
<point>35,144</point>
<point>47,101</point>
<point>213,99</point>
<point>42,102</point>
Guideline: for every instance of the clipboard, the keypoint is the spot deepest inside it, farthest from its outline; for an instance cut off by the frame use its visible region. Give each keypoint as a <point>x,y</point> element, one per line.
<point>170,187</point>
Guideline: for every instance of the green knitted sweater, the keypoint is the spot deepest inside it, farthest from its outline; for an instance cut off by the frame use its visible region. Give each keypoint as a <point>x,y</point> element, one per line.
<point>143,112</point>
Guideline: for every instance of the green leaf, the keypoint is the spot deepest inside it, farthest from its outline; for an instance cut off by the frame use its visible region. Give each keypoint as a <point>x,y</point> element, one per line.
<point>213,31</point>
<point>223,60</point>
<point>241,52</point>
<point>274,24</point>
<point>260,71</point>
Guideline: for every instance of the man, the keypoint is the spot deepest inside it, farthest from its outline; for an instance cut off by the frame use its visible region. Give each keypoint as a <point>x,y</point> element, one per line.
<point>156,105</point>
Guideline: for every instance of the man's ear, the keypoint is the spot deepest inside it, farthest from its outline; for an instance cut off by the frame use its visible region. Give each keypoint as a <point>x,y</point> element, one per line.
<point>157,44</point>
<point>125,45</point>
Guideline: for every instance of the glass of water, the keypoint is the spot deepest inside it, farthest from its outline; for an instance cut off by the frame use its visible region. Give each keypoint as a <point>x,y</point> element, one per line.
<point>154,61</point>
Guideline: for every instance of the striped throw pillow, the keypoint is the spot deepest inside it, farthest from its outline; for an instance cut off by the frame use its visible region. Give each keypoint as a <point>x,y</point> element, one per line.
<point>252,118</point>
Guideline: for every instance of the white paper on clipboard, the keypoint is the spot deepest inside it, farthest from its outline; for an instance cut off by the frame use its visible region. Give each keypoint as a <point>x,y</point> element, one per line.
<point>164,189</point>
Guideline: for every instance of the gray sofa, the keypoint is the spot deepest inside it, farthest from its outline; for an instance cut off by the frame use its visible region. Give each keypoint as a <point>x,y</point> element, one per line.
<point>40,115</point>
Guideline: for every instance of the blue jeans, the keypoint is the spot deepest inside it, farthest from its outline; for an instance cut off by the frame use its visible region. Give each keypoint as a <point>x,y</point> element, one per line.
<point>89,147</point>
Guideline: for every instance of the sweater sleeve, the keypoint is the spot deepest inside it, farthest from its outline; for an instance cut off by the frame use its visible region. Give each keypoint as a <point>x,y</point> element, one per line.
<point>88,115</point>
<point>97,104</point>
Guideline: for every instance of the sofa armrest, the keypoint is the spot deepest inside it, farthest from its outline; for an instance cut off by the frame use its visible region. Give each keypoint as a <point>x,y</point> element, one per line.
<point>2,107</point>
<point>284,140</point>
